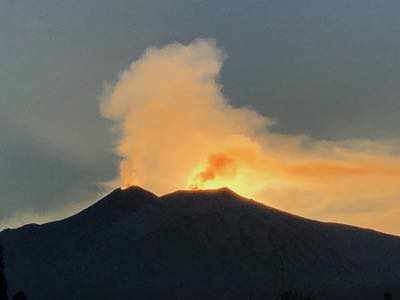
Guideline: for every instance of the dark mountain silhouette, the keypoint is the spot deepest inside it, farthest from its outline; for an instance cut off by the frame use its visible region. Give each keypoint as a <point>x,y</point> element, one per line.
<point>197,245</point>
<point>3,280</point>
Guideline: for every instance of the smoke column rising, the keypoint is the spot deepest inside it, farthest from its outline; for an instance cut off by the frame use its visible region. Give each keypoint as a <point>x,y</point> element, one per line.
<point>177,130</point>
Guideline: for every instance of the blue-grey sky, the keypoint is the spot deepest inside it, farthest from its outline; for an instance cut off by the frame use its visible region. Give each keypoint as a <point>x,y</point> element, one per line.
<point>328,69</point>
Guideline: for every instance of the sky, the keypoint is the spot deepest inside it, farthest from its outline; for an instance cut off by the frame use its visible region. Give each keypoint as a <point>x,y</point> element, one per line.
<point>325,69</point>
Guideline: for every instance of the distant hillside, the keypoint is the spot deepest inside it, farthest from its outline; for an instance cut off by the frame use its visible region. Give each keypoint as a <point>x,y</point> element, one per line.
<point>196,245</point>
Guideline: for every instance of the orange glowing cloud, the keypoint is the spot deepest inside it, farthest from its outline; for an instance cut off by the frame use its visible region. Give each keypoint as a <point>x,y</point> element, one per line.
<point>177,130</point>
<point>218,165</point>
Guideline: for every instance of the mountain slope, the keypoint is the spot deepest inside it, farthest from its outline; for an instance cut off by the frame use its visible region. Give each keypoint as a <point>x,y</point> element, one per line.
<point>198,245</point>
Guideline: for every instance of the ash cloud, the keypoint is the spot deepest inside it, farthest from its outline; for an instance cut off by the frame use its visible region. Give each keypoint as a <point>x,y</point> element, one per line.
<point>177,130</point>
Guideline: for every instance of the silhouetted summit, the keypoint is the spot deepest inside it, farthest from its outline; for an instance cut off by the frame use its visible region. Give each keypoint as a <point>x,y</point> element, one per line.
<point>210,244</point>
<point>123,201</point>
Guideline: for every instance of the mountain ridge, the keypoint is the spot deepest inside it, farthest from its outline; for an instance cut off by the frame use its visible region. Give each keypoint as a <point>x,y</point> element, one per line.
<point>214,244</point>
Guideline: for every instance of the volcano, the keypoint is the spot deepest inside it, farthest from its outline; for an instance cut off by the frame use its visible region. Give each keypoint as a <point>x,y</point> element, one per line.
<point>210,244</point>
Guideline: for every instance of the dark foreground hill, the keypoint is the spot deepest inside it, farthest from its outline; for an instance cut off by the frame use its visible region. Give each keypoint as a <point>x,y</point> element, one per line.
<point>196,245</point>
